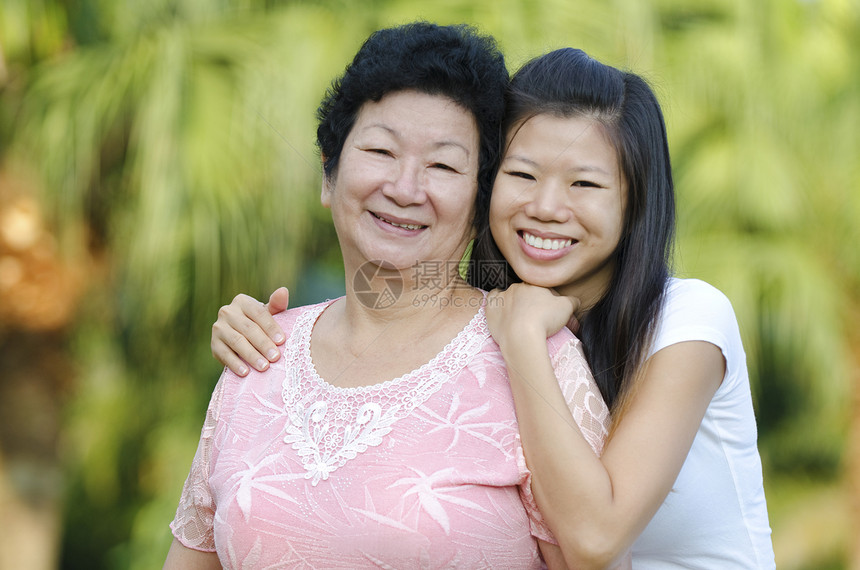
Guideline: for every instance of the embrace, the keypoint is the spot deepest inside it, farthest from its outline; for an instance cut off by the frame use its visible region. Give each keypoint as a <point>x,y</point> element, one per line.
<point>567,402</point>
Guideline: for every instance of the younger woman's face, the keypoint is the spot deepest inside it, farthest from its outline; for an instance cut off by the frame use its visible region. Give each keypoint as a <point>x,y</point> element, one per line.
<point>558,203</point>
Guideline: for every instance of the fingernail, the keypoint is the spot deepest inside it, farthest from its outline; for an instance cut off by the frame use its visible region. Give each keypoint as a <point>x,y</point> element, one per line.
<point>243,371</point>
<point>261,364</point>
<point>272,354</point>
<point>279,338</point>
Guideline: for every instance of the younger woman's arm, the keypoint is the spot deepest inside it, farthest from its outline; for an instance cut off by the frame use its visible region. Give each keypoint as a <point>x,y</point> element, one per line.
<point>597,507</point>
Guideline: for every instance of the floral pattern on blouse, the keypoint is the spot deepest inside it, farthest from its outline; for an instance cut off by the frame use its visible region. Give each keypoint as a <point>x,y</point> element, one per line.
<point>422,471</point>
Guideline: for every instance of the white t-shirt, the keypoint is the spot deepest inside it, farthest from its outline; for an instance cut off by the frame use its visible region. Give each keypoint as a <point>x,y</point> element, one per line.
<point>715,516</point>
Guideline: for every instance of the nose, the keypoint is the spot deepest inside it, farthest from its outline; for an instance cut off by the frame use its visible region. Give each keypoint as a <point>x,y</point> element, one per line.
<point>406,185</point>
<point>548,203</point>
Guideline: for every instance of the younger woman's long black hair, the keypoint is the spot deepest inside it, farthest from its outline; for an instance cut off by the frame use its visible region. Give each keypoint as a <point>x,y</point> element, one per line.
<point>616,332</point>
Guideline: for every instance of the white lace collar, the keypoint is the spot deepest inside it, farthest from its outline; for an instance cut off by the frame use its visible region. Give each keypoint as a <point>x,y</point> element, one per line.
<point>329,425</point>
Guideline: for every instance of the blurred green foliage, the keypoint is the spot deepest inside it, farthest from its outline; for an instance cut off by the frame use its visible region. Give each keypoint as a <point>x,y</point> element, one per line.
<point>173,142</point>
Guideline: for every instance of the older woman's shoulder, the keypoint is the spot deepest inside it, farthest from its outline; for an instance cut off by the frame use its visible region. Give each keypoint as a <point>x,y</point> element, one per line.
<point>559,340</point>
<point>287,319</point>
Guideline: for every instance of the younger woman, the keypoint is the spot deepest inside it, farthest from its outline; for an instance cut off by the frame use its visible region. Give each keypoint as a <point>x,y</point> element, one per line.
<point>583,202</point>
<point>583,210</point>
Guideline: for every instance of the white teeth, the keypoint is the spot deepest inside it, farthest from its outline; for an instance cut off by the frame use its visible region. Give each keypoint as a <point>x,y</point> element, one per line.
<point>405,226</point>
<point>547,243</point>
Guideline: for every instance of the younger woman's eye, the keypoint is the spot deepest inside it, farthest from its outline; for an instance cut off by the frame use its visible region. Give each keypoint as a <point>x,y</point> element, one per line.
<point>518,174</point>
<point>586,184</point>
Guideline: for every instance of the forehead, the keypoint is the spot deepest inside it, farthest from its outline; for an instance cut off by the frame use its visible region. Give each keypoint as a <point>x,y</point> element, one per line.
<point>414,115</point>
<point>572,127</point>
<point>577,138</point>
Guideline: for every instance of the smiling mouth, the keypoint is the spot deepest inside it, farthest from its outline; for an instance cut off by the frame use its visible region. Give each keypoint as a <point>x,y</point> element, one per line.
<point>545,243</point>
<point>395,224</point>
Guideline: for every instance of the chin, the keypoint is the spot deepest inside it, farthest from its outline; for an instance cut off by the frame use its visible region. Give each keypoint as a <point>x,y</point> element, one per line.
<point>540,279</point>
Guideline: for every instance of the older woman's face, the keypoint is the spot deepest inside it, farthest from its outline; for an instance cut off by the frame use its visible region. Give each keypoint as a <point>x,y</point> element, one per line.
<point>405,187</point>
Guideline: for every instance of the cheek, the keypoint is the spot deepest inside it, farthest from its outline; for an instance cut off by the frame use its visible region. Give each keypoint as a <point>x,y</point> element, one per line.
<point>619,220</point>
<point>460,211</point>
<point>499,202</point>
<point>614,230</point>
<point>496,219</point>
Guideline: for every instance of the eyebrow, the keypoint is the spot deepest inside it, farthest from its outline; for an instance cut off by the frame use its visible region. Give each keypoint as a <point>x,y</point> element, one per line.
<point>440,144</point>
<point>583,168</point>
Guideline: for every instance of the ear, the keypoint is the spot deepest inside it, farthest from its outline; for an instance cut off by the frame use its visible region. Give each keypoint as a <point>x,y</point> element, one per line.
<point>327,189</point>
<point>473,232</point>
<point>325,194</point>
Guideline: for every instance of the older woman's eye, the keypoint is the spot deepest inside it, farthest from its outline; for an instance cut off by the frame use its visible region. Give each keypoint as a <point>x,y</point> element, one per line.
<point>382,151</point>
<point>443,166</point>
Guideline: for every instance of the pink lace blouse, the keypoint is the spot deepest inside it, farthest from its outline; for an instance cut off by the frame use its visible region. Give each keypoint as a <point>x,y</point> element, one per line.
<point>423,471</point>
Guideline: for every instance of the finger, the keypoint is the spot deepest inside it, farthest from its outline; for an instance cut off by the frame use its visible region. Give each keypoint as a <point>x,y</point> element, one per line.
<point>239,327</point>
<point>253,321</point>
<point>279,300</point>
<point>573,324</point>
<point>229,344</point>
<point>492,300</point>
<point>575,302</point>
<point>224,354</point>
<point>250,338</point>
<point>229,359</point>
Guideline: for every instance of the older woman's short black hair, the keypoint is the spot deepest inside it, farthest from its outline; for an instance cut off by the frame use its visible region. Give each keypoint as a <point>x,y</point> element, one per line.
<point>453,61</point>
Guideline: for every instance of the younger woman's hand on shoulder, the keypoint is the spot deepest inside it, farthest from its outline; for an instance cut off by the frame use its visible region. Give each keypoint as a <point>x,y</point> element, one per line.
<point>526,310</point>
<point>245,332</point>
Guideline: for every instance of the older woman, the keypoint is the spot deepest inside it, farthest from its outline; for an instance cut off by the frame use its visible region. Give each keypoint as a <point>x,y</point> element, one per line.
<point>386,436</point>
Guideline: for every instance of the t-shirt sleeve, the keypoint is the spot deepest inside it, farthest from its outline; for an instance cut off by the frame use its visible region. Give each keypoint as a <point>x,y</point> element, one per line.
<point>587,409</point>
<point>193,525</point>
<point>696,311</point>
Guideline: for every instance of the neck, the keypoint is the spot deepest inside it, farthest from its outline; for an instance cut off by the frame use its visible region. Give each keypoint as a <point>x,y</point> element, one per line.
<point>387,326</point>
<point>589,292</point>
<point>422,293</point>
<point>587,297</point>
